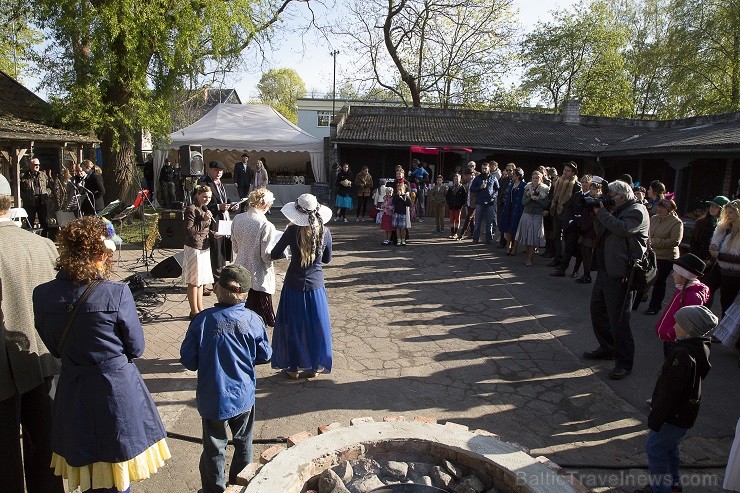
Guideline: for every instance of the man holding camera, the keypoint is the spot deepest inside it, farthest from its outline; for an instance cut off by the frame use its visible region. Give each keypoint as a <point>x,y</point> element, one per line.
<point>622,232</point>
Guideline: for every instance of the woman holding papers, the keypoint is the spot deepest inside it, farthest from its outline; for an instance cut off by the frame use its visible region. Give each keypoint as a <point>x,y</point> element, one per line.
<point>196,269</point>
<point>252,239</point>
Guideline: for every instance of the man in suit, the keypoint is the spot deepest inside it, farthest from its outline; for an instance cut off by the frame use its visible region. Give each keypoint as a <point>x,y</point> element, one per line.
<point>219,207</point>
<point>243,176</point>
<point>93,191</point>
<point>26,367</point>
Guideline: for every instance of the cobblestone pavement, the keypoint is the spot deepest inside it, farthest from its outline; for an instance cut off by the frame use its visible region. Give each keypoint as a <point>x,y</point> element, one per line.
<point>457,332</point>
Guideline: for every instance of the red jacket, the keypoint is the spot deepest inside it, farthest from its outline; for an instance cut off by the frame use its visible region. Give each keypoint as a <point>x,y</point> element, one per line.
<point>695,293</point>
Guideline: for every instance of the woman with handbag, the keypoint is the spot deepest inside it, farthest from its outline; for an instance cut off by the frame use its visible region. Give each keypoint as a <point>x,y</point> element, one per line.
<point>364,184</point>
<point>344,193</point>
<point>106,431</point>
<point>666,232</point>
<point>725,249</point>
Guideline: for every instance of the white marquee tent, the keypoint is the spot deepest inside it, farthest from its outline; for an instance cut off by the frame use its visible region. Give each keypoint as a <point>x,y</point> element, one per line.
<point>251,127</point>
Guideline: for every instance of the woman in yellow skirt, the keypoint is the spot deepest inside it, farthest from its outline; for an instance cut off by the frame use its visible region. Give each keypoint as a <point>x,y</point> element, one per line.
<point>106,431</point>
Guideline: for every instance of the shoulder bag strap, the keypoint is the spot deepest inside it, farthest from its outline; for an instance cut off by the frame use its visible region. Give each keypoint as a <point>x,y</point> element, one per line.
<point>73,313</point>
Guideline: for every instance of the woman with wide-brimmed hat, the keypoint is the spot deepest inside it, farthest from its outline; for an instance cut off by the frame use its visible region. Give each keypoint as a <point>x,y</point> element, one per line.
<point>302,336</point>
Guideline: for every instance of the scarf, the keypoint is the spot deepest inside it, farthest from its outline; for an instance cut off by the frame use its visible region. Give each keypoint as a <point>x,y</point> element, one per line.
<point>563,191</point>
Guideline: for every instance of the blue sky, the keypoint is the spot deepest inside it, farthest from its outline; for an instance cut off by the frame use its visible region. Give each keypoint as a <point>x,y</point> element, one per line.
<point>314,63</point>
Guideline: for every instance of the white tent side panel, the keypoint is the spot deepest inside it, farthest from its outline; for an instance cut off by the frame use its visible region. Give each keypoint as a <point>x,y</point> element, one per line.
<point>251,127</point>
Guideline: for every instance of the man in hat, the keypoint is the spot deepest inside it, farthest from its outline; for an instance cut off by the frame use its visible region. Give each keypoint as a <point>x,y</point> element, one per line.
<point>35,195</point>
<point>676,397</point>
<point>223,344</point>
<point>564,198</point>
<point>621,237</point>
<point>219,206</point>
<point>167,182</point>
<point>26,367</point>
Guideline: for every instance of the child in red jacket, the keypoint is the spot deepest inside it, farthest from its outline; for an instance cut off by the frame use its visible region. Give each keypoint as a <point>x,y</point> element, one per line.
<point>689,291</point>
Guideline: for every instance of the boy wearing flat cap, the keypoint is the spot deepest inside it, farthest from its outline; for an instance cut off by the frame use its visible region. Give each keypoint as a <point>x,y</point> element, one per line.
<point>223,344</point>
<point>675,402</point>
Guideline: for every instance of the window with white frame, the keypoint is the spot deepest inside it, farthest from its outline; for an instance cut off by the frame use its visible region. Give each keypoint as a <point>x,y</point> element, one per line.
<point>323,118</point>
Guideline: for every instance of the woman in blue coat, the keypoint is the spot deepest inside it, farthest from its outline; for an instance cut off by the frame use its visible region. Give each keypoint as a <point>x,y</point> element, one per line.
<point>106,431</point>
<point>512,210</point>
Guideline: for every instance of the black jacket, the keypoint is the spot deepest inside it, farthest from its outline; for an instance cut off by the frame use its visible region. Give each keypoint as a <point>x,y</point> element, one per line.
<point>678,390</point>
<point>701,237</point>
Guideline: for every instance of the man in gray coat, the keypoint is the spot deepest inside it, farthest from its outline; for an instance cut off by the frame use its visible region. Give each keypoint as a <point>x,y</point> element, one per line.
<point>26,367</point>
<point>621,237</point>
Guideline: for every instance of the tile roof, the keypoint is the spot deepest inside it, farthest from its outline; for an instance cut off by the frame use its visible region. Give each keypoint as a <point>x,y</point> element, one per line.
<point>15,129</point>
<point>532,132</point>
<point>17,101</point>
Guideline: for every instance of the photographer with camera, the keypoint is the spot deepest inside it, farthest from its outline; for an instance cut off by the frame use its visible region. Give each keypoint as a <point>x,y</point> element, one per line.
<point>621,237</point>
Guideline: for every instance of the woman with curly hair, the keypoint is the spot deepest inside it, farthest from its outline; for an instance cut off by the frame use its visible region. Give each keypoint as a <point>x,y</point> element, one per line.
<point>252,238</point>
<point>725,249</point>
<point>106,431</point>
<point>302,335</point>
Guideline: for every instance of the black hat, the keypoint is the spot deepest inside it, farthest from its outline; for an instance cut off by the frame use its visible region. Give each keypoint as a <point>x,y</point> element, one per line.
<point>691,263</point>
<point>216,164</point>
<point>236,278</point>
<point>627,178</point>
<point>571,165</point>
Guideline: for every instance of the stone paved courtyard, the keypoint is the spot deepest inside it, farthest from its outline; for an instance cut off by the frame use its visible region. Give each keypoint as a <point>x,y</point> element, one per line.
<point>456,332</point>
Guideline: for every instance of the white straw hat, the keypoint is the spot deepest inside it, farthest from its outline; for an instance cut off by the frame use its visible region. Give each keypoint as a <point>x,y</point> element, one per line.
<point>297,212</point>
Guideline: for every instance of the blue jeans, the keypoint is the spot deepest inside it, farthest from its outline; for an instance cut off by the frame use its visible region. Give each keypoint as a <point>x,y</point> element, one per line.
<point>663,457</point>
<point>485,213</point>
<point>212,460</point>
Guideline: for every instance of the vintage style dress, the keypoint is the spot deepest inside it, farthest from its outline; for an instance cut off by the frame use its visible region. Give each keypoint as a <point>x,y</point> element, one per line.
<point>302,335</point>
<point>106,431</point>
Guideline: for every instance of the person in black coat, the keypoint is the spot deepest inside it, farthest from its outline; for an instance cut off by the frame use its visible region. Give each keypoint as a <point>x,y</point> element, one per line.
<point>243,176</point>
<point>219,207</point>
<point>701,237</point>
<point>677,395</point>
<point>92,188</point>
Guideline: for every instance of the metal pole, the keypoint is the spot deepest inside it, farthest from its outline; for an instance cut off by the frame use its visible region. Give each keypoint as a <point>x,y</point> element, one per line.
<point>334,87</point>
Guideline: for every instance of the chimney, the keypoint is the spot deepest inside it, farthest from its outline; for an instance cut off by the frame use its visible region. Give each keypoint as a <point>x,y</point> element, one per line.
<point>571,111</point>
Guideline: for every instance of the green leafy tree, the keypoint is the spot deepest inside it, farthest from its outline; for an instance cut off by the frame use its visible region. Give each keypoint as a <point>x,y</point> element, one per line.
<point>704,47</point>
<point>579,55</point>
<point>281,88</point>
<point>17,39</point>
<point>114,66</point>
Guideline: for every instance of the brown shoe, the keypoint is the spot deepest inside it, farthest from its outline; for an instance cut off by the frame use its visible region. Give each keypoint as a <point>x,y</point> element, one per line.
<point>207,291</point>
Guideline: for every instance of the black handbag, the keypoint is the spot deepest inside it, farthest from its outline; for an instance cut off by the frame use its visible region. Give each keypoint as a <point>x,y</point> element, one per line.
<point>644,271</point>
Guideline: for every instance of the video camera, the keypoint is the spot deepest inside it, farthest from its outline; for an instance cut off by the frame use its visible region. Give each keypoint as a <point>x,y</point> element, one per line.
<point>604,200</point>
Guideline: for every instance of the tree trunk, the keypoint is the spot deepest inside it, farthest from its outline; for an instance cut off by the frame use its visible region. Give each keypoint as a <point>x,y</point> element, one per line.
<point>118,169</point>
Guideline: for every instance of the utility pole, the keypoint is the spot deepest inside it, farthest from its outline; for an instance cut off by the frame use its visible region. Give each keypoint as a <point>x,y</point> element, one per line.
<point>334,54</point>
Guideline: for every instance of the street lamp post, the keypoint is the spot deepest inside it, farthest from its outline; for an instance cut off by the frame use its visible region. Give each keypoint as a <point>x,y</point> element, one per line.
<point>334,54</point>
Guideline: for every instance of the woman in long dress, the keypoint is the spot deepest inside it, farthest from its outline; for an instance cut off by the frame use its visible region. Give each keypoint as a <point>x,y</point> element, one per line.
<point>106,431</point>
<point>252,238</point>
<point>302,336</point>
<point>197,270</point>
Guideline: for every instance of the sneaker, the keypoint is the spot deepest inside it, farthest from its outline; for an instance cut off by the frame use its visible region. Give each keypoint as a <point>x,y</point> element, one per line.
<point>403,242</point>
<point>336,218</point>
<point>386,242</point>
<point>421,219</point>
<point>357,220</point>
<point>345,220</point>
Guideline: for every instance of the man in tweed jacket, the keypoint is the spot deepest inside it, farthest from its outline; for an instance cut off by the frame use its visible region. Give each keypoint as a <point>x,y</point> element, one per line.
<point>26,367</point>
